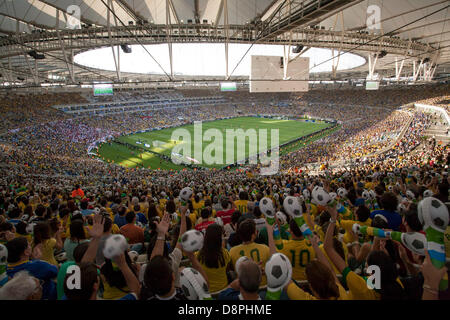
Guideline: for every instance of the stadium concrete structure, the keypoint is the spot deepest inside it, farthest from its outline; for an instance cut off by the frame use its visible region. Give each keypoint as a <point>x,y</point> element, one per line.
<point>399,39</point>
<point>355,178</point>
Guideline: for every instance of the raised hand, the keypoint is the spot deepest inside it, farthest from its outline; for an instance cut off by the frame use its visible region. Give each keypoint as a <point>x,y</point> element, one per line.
<point>97,227</point>
<point>163,226</point>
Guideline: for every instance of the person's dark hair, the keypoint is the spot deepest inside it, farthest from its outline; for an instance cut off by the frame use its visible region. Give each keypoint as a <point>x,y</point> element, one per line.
<point>257,212</point>
<point>152,212</point>
<point>79,251</point>
<point>14,213</point>
<point>389,201</point>
<point>412,218</point>
<point>41,232</point>
<point>324,217</point>
<point>158,276</point>
<point>40,210</point>
<point>84,205</point>
<point>28,211</point>
<point>89,277</point>
<point>243,195</point>
<point>379,222</point>
<point>16,247</point>
<point>114,276</point>
<point>21,228</point>
<point>108,223</point>
<point>130,217</point>
<point>170,206</point>
<point>64,212</point>
<point>379,190</point>
<point>77,230</point>
<point>224,203</point>
<point>6,226</point>
<point>54,226</point>
<point>321,280</point>
<point>246,230</point>
<point>295,229</point>
<point>442,192</point>
<point>211,254</point>
<point>137,208</point>
<point>390,288</point>
<point>235,217</point>
<point>205,213</point>
<point>363,213</point>
<point>122,211</point>
<point>351,195</point>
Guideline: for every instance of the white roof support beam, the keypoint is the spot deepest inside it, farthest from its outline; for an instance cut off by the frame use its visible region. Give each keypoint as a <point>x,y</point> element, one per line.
<point>71,73</point>
<point>108,20</point>
<point>273,7</point>
<point>227,35</point>
<point>416,72</point>
<point>174,11</point>
<point>398,71</point>
<point>372,65</point>
<point>169,37</point>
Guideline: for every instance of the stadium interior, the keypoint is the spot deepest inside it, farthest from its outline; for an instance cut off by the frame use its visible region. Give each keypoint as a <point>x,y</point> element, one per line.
<point>224,150</point>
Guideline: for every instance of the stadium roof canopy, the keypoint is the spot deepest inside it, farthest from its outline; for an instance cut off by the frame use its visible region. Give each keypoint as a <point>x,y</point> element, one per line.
<point>401,39</point>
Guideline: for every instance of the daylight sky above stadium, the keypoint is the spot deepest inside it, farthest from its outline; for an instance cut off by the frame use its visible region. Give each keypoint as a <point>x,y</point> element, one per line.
<point>204,59</point>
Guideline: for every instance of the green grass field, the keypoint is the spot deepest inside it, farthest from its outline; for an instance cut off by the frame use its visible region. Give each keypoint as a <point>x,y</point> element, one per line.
<point>161,142</point>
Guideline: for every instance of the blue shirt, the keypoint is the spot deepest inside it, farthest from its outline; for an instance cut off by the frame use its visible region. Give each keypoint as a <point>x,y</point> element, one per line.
<point>87,212</point>
<point>40,270</point>
<point>141,218</point>
<point>14,221</point>
<point>393,218</point>
<point>120,221</point>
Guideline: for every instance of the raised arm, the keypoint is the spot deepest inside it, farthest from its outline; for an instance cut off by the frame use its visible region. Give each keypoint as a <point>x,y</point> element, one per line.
<point>183,226</point>
<point>321,256</point>
<point>272,247</point>
<point>196,264</point>
<point>328,242</point>
<point>130,278</point>
<point>161,230</point>
<point>96,233</point>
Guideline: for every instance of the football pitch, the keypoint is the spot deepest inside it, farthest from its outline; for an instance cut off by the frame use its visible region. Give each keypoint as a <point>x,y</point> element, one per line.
<point>153,149</point>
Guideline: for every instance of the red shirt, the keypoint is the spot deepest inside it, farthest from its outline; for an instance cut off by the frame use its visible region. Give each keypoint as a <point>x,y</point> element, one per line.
<point>133,233</point>
<point>225,215</point>
<point>202,226</point>
<point>78,192</point>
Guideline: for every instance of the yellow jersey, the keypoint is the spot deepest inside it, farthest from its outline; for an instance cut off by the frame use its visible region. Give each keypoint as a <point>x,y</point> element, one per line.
<point>241,205</point>
<point>329,260</point>
<point>300,253</point>
<point>48,246</point>
<point>296,293</point>
<point>198,206</point>
<point>347,225</point>
<point>217,277</point>
<point>255,251</point>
